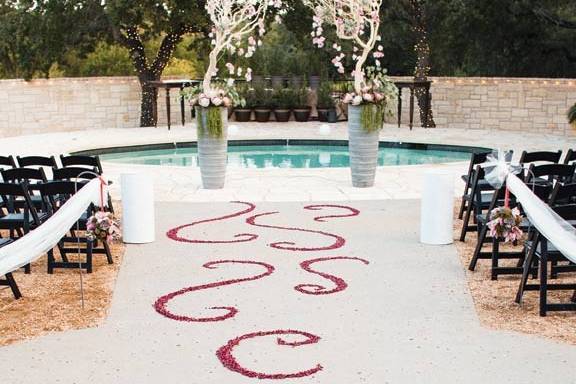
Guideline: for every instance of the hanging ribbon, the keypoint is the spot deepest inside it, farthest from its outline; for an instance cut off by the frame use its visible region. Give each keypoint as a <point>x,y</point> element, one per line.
<point>497,167</point>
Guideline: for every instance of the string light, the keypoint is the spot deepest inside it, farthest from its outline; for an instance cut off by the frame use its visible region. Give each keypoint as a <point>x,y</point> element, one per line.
<point>422,49</point>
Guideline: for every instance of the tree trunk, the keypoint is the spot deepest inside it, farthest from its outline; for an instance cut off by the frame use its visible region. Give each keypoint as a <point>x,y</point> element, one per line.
<point>149,101</point>
<point>422,70</point>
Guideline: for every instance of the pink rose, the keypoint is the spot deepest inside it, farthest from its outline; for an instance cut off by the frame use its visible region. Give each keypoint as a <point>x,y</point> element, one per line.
<point>347,99</point>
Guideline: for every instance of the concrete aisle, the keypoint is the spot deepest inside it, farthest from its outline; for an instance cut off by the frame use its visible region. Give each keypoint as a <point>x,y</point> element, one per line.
<point>406,317</point>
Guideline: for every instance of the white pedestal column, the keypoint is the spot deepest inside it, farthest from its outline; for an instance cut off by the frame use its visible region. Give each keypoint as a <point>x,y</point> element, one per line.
<point>437,209</point>
<point>138,223</point>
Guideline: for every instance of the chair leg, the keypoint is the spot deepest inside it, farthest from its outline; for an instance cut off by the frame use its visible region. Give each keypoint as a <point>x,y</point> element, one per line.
<point>51,262</point>
<point>13,286</point>
<point>466,223</point>
<point>543,283</point>
<point>89,248</point>
<point>463,204</point>
<point>553,269</point>
<point>495,255</point>
<point>528,265</point>
<point>108,252</point>
<point>478,248</point>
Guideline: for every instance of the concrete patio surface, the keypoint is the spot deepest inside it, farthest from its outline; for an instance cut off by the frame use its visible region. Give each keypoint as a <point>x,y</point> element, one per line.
<point>406,317</point>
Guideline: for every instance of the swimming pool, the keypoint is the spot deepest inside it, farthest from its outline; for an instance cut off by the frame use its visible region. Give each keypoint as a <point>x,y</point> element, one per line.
<point>286,155</point>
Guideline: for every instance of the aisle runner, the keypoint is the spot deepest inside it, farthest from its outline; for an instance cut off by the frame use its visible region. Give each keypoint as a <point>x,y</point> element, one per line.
<point>253,221</point>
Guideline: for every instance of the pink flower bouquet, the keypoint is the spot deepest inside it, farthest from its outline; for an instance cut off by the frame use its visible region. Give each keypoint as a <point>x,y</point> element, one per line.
<point>505,224</point>
<point>102,226</point>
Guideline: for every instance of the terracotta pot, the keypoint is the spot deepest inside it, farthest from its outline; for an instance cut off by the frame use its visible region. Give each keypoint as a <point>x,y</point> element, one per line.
<point>242,115</point>
<point>282,115</point>
<point>262,115</point>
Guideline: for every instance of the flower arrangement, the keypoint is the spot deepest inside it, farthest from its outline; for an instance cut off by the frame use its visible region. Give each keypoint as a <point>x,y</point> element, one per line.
<point>102,226</point>
<point>375,98</point>
<point>505,224</point>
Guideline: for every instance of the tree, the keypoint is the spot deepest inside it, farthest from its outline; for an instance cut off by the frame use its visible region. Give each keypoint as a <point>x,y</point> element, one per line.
<point>232,21</point>
<point>416,9</point>
<point>36,34</point>
<point>133,24</point>
<point>357,21</point>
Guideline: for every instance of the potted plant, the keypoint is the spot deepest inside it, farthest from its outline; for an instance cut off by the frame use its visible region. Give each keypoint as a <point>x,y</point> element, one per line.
<point>263,101</point>
<point>358,21</point>
<point>232,20</point>
<point>572,116</point>
<point>283,103</point>
<point>301,104</point>
<point>326,105</point>
<point>243,113</point>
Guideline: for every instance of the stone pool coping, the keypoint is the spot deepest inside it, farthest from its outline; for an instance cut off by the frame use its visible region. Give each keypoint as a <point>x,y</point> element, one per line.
<point>182,184</point>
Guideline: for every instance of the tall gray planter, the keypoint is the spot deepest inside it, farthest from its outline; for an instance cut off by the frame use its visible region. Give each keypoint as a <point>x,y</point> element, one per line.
<point>212,151</point>
<point>363,148</point>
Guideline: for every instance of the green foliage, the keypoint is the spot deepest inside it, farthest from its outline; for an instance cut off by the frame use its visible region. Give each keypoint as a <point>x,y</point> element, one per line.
<point>572,115</point>
<point>301,97</point>
<point>372,117</point>
<point>262,97</point>
<point>284,98</point>
<point>325,99</point>
<point>106,60</point>
<point>213,125</point>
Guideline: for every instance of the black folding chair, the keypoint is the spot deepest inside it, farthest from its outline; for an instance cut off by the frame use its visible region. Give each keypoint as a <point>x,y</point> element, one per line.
<point>80,175</point>
<point>90,162</point>
<point>8,280</point>
<point>19,215</point>
<point>540,157</point>
<point>550,173</point>
<point>7,162</point>
<point>475,159</point>
<point>58,192</point>
<point>33,177</point>
<point>480,197</point>
<point>542,252</point>
<point>495,255</point>
<point>37,161</point>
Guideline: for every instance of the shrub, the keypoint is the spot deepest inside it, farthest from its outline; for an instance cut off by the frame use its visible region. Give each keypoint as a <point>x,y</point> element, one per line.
<point>301,97</point>
<point>262,97</point>
<point>325,99</point>
<point>284,98</point>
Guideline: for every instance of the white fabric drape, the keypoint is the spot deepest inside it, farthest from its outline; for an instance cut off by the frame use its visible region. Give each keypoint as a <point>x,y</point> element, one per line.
<point>558,231</point>
<point>39,241</point>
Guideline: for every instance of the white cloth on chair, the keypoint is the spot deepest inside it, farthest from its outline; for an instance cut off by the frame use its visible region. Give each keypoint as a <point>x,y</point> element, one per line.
<point>39,241</point>
<point>554,228</point>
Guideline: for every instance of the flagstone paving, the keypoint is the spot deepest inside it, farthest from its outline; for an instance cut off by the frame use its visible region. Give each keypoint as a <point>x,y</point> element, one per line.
<point>390,310</point>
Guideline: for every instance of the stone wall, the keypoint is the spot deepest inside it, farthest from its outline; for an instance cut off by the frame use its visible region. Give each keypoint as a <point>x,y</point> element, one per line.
<point>531,105</point>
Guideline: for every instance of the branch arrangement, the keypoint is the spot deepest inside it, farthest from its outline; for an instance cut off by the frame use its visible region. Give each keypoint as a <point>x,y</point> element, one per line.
<point>357,21</point>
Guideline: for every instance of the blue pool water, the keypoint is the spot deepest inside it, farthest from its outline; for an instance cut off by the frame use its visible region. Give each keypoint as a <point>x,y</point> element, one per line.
<point>286,156</point>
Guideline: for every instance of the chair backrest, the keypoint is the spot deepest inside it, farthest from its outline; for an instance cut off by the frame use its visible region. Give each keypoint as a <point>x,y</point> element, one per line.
<point>58,192</point>
<point>541,191</point>
<point>540,156</point>
<point>570,156</point>
<point>92,162</point>
<point>553,172</point>
<point>563,194</point>
<point>17,175</point>
<point>7,161</point>
<point>75,174</point>
<point>37,161</point>
<point>13,194</point>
